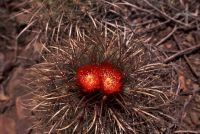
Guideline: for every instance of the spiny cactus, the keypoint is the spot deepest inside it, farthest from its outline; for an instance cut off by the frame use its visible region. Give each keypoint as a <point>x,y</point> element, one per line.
<point>60,105</point>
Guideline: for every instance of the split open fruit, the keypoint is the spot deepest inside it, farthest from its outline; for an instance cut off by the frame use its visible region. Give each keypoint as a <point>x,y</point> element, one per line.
<point>102,77</point>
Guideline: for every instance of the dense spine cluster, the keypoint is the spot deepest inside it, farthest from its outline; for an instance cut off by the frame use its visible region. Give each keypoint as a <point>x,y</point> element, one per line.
<point>101,80</point>
<point>73,92</point>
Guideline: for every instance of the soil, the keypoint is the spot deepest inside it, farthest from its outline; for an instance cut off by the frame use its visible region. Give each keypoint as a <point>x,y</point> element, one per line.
<point>18,53</point>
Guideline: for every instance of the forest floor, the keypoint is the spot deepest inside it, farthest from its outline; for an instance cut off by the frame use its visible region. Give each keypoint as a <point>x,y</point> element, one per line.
<point>181,47</point>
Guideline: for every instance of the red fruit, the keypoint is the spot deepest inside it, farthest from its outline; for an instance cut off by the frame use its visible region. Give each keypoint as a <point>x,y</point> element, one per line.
<point>88,77</point>
<point>110,79</point>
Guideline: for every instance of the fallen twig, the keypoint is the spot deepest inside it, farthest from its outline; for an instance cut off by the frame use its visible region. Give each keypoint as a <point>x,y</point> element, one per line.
<point>166,37</point>
<point>164,14</point>
<point>186,132</point>
<point>186,58</point>
<point>181,53</point>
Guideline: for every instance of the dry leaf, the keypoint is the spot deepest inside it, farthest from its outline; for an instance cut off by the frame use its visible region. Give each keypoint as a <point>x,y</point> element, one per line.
<point>19,109</point>
<point>38,47</point>
<point>190,38</point>
<point>23,126</point>
<point>7,125</point>
<point>168,45</point>
<point>195,117</point>
<point>14,81</point>
<point>182,82</point>
<point>3,97</point>
<point>23,18</point>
